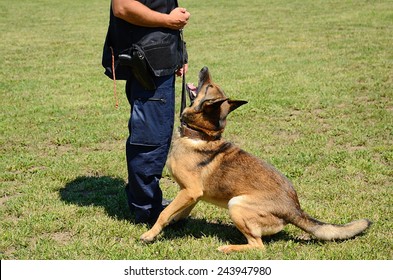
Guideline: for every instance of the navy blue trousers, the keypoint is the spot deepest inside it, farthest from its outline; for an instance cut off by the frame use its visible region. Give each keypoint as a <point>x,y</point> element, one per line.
<point>150,132</point>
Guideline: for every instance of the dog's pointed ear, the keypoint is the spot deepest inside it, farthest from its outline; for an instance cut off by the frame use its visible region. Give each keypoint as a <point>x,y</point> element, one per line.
<point>211,104</point>
<point>229,106</point>
<point>234,104</point>
<point>214,103</point>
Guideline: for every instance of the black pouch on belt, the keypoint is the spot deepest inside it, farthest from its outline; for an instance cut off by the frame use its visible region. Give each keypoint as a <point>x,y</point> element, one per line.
<point>136,60</point>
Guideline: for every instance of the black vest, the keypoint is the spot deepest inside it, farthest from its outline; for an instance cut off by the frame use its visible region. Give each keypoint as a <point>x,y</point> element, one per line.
<point>121,36</point>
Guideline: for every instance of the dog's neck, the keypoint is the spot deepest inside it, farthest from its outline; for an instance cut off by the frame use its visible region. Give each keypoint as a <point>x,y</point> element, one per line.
<point>186,131</point>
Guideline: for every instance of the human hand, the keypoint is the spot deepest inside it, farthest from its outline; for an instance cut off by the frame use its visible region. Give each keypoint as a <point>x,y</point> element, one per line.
<point>178,18</point>
<point>182,70</point>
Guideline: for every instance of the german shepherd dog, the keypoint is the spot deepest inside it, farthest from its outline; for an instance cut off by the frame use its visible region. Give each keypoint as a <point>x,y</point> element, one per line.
<point>260,200</point>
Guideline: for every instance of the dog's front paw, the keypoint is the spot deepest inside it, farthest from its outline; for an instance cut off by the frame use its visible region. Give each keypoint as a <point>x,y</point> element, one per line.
<point>225,249</point>
<point>147,236</point>
<point>235,248</point>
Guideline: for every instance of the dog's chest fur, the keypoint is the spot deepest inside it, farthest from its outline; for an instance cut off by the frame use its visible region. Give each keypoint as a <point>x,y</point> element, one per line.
<point>188,155</point>
<point>195,165</point>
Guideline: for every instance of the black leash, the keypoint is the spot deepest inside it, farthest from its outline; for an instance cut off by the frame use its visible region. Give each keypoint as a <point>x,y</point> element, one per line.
<point>183,103</point>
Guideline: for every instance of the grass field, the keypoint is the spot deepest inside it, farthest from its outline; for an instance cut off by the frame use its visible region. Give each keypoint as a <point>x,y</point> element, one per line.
<point>318,76</point>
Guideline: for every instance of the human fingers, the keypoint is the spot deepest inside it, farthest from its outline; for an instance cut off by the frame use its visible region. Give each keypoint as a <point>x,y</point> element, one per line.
<point>179,18</point>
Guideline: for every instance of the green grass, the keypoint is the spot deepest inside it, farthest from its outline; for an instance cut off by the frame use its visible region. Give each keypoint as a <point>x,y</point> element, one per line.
<point>319,80</point>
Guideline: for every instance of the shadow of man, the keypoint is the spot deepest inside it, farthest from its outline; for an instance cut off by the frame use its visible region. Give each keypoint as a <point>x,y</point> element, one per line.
<point>102,191</point>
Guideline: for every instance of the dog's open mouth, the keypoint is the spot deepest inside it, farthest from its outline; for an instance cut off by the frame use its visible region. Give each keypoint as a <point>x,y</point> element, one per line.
<point>192,91</point>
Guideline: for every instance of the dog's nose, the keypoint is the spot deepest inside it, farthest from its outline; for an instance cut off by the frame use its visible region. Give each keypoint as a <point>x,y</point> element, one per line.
<point>204,69</point>
<point>204,76</point>
<point>204,73</point>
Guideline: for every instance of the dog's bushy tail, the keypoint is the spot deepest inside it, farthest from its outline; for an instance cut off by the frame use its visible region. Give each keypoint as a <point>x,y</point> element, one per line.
<point>325,231</point>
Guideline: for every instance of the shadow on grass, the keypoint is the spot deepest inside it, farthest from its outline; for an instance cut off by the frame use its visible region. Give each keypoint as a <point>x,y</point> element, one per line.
<point>104,191</point>
<point>199,228</point>
<point>108,192</point>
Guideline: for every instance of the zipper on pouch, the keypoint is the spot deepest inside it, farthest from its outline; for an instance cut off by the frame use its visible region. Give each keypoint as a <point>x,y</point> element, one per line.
<point>162,100</point>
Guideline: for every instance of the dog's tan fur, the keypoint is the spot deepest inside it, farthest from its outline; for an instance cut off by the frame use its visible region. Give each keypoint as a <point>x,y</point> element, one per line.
<point>259,198</point>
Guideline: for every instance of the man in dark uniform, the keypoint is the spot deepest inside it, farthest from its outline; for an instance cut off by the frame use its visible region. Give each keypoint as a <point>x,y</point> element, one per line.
<point>152,110</point>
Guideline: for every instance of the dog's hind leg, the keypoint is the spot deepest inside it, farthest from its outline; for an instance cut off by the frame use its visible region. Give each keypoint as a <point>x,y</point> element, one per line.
<point>245,222</point>
<point>252,223</point>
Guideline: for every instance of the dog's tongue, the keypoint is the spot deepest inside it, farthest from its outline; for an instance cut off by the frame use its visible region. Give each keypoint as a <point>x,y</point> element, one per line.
<point>191,88</point>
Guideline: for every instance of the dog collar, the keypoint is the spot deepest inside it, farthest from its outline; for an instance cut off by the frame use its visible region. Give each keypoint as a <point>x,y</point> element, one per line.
<point>186,131</point>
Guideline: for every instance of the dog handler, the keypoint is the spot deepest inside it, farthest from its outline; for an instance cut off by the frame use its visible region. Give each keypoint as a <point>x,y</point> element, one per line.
<point>151,96</point>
